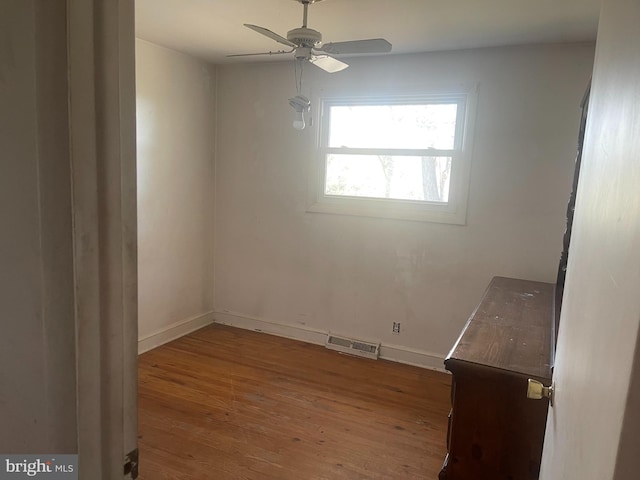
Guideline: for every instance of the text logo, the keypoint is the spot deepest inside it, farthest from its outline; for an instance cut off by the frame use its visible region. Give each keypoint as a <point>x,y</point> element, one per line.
<point>50,467</point>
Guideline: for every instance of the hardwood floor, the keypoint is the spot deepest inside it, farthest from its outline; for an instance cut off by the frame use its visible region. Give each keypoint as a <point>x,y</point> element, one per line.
<point>224,403</point>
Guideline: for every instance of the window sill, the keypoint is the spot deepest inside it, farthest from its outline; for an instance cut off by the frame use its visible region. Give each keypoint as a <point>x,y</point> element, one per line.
<point>390,209</point>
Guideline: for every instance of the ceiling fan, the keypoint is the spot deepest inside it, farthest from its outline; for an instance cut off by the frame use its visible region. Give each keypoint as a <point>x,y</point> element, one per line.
<point>305,44</point>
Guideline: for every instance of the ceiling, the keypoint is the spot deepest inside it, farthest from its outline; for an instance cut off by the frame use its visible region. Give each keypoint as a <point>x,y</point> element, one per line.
<point>212,29</point>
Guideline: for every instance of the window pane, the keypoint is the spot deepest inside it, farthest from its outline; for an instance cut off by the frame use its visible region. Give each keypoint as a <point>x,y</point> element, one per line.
<point>393,126</point>
<point>384,176</point>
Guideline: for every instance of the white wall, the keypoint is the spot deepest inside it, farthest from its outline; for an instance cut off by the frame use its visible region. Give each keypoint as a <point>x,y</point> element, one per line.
<point>37,337</point>
<point>176,127</point>
<point>317,272</point>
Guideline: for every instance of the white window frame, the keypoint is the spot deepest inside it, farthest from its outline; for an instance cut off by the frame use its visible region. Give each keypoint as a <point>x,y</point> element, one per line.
<point>452,212</point>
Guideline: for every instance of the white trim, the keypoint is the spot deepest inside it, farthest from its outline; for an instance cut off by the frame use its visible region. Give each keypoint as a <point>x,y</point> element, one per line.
<point>294,332</point>
<point>453,212</point>
<point>174,331</point>
<point>101,76</point>
<point>412,356</point>
<point>394,209</point>
<point>394,353</point>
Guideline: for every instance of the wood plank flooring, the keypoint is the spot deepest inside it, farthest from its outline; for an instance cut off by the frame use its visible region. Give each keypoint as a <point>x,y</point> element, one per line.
<point>225,404</point>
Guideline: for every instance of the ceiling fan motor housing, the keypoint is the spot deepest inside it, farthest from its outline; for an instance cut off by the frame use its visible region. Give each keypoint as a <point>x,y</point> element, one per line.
<point>304,37</point>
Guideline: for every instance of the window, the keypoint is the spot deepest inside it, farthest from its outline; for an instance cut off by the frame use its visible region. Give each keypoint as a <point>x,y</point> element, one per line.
<point>402,157</point>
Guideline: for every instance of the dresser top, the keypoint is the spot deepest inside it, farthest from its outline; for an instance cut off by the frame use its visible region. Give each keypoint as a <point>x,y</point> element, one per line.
<point>510,329</point>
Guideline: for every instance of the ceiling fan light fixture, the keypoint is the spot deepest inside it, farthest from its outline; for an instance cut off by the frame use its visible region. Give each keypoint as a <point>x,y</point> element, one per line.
<point>300,104</point>
<point>298,123</point>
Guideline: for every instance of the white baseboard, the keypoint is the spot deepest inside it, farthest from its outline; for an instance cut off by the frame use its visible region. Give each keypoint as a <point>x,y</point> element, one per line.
<point>294,332</point>
<point>395,353</point>
<point>412,356</point>
<point>173,331</point>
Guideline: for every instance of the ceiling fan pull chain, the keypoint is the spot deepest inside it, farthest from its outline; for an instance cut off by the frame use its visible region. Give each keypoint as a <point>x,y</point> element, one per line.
<point>299,62</point>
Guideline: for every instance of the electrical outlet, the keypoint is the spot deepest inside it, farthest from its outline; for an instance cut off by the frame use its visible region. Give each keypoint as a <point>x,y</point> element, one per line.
<point>396,328</point>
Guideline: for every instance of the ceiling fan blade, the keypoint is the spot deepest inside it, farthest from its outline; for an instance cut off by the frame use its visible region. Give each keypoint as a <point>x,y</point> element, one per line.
<point>327,63</point>
<point>279,52</point>
<point>373,45</point>
<point>272,35</point>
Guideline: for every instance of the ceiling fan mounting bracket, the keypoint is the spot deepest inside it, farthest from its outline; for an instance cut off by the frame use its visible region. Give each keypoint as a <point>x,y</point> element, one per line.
<point>304,37</point>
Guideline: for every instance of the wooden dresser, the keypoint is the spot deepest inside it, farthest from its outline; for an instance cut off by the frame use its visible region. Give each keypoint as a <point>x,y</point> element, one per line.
<point>495,431</point>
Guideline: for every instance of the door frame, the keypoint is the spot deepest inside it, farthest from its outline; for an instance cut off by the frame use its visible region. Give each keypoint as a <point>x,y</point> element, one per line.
<point>101,52</point>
